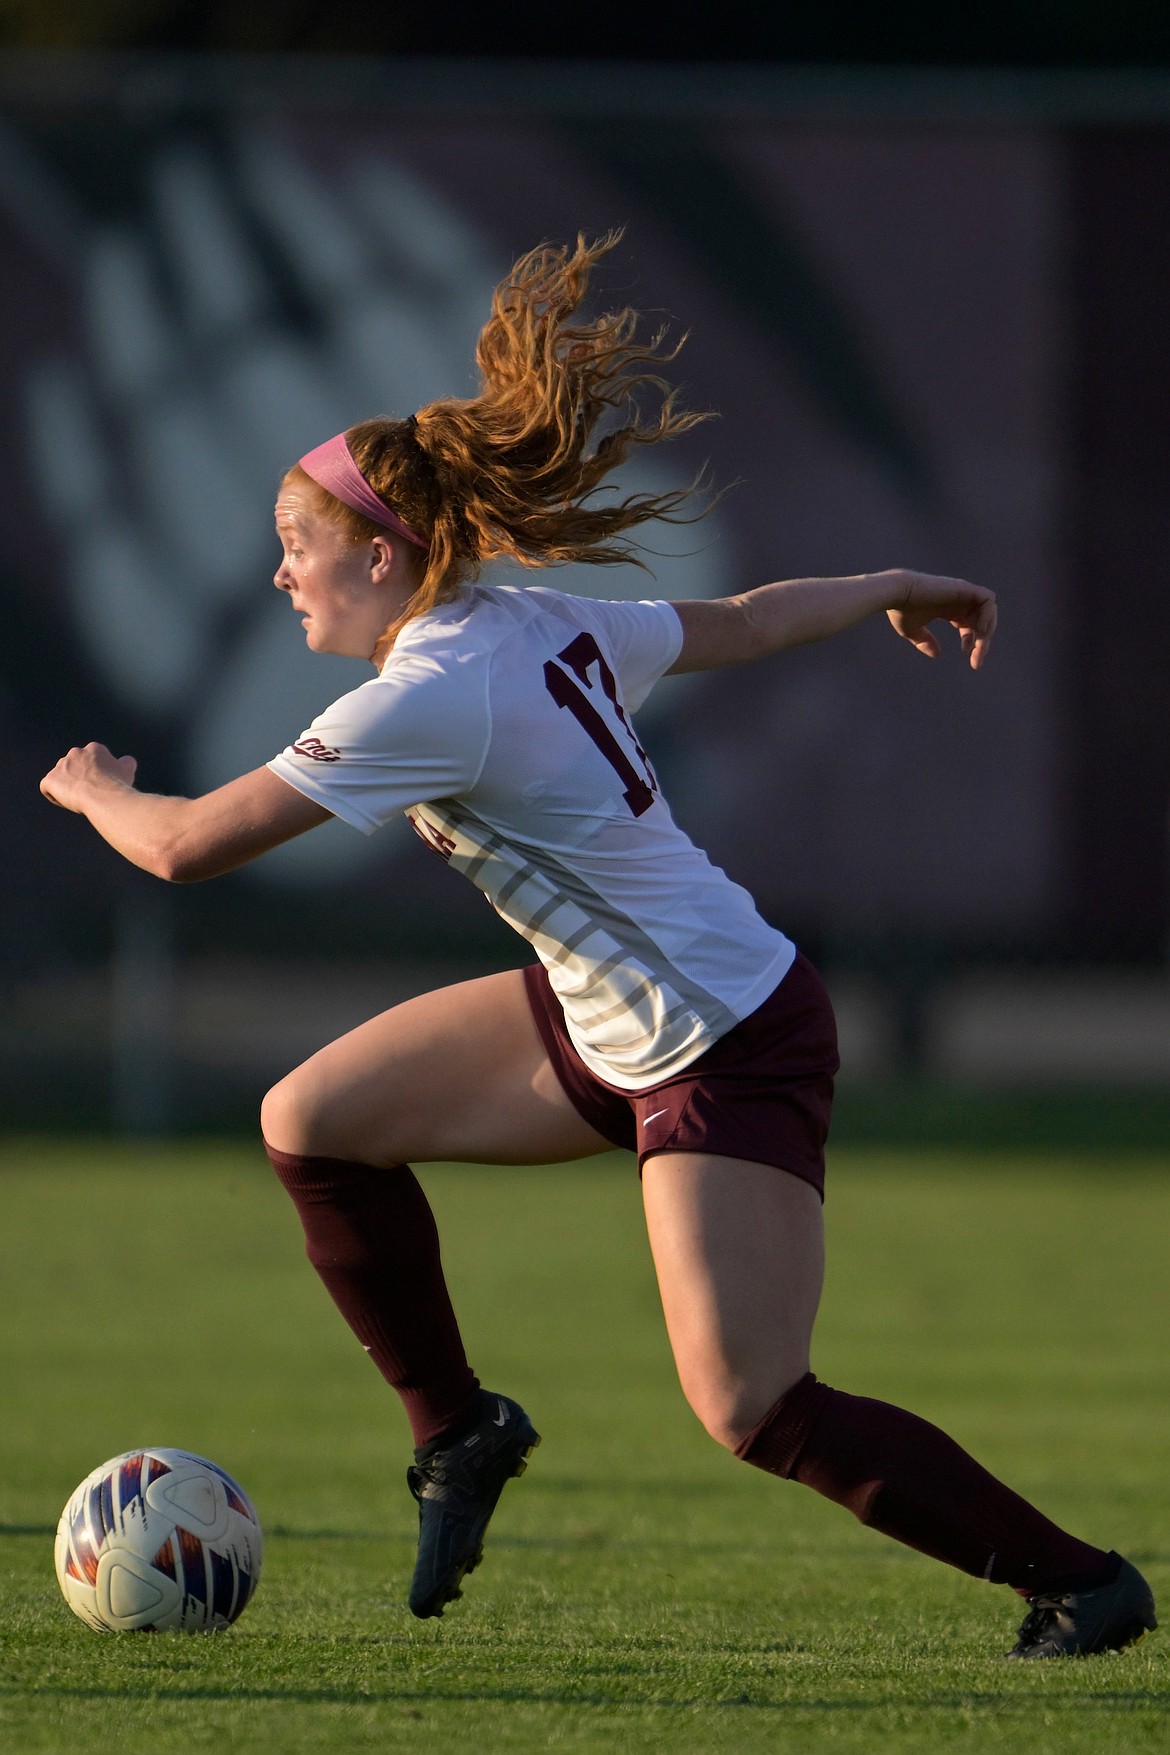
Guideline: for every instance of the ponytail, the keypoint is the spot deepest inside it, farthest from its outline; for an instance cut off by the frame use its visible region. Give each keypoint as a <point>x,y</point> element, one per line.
<point>508,472</point>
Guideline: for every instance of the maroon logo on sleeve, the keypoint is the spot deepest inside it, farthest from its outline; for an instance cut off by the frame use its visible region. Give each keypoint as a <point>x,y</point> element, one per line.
<point>320,752</point>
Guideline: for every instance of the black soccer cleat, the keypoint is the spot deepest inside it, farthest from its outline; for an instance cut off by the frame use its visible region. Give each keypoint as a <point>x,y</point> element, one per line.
<point>1079,1623</point>
<point>457,1489</point>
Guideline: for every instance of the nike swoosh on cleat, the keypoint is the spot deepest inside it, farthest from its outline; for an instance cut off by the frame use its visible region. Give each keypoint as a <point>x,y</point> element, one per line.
<point>501,1418</point>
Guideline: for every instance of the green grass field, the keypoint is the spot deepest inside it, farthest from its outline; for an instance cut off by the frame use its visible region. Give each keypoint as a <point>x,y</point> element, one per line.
<point>643,1591</point>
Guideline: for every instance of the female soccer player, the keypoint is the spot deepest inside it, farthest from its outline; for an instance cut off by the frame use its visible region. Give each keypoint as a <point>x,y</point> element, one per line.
<point>662,1014</point>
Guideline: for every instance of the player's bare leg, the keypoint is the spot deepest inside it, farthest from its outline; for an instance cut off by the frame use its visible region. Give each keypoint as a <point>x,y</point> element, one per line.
<point>455,1074</point>
<point>738,1252</point>
<point>460,1073</point>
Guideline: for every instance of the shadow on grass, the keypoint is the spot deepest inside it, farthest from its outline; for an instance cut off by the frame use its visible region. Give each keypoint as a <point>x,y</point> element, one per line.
<point>1002,1704</point>
<point>578,1543</point>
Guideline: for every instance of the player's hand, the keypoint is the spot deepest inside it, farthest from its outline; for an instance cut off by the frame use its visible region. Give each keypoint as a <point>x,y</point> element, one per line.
<point>72,782</point>
<point>969,608</point>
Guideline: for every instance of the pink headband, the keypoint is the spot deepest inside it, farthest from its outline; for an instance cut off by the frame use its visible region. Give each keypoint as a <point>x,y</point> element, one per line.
<point>332,467</point>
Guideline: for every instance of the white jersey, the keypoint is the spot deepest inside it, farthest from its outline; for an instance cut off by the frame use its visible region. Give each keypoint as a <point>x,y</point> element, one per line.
<point>500,724</point>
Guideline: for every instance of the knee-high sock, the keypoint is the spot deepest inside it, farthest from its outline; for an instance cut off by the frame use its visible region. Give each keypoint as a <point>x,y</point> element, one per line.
<point>904,1477</point>
<point>371,1236</point>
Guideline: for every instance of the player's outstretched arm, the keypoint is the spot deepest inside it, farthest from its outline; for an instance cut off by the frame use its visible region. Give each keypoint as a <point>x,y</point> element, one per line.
<point>180,839</point>
<point>735,630</point>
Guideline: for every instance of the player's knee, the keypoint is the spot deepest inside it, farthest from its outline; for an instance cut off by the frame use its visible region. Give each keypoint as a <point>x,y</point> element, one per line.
<point>287,1118</point>
<point>723,1410</point>
<point>730,1411</point>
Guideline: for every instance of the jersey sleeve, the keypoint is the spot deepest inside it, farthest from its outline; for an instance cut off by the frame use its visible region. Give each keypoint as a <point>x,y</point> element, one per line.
<point>643,640</point>
<point>397,741</point>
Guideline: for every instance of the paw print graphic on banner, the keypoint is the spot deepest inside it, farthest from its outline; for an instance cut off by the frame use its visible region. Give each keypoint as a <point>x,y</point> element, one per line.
<point>259,306</point>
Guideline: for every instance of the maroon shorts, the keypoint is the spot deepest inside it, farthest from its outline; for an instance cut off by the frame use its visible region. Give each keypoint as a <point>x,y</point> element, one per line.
<point>763,1092</point>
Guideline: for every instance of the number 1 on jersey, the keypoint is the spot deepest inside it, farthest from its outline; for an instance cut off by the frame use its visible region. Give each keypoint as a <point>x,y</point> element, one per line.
<point>579,654</point>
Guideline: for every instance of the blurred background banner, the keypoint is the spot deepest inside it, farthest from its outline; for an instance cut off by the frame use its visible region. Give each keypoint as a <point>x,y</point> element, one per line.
<point>931,314</point>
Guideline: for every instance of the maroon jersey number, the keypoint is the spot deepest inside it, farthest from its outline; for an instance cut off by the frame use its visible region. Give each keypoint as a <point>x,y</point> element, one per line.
<point>579,655</point>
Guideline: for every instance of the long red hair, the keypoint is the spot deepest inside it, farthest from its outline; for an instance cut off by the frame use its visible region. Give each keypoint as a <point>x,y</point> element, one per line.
<point>508,472</point>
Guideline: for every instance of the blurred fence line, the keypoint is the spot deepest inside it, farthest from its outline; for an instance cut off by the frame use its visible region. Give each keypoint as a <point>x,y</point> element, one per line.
<point>148,1047</point>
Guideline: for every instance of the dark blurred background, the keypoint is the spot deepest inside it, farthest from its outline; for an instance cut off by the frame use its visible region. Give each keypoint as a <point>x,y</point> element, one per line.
<point>924,263</point>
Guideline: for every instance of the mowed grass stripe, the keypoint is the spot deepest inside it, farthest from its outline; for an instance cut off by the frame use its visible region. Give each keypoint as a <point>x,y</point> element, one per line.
<point>642,1589</point>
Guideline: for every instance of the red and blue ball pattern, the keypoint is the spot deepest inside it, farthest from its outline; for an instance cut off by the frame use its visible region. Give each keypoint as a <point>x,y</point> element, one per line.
<point>158,1539</point>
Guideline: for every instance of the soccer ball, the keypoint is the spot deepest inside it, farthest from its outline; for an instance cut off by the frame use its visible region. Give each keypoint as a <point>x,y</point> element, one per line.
<point>158,1539</point>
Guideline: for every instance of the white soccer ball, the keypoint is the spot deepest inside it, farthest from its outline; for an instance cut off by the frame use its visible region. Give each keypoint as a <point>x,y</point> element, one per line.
<point>158,1539</point>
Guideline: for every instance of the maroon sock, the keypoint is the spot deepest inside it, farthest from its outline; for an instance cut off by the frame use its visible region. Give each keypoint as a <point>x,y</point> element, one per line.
<point>904,1477</point>
<point>371,1236</point>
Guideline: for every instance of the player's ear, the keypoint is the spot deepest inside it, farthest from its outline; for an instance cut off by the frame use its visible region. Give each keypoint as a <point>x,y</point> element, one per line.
<point>382,559</point>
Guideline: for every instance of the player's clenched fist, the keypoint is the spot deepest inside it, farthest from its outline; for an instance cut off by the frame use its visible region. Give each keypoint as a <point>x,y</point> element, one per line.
<point>80,771</point>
